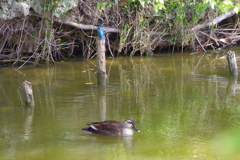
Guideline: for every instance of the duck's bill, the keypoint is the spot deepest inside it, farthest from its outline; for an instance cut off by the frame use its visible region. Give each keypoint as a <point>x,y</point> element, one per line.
<point>135,129</point>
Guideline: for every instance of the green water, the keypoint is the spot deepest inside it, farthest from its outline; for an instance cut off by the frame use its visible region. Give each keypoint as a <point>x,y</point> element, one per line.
<point>185,106</point>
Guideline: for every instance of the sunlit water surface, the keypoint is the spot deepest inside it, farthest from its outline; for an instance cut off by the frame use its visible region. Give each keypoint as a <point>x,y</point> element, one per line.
<point>186,107</point>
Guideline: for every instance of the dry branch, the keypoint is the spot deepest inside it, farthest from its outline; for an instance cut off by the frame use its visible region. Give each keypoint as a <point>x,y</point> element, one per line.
<point>88,27</point>
<point>214,21</point>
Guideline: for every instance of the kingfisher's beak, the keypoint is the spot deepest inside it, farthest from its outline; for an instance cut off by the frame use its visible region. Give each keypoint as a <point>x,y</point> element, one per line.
<point>134,127</point>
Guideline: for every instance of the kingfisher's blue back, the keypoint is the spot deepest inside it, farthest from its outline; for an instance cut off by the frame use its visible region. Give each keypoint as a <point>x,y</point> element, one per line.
<point>100,32</point>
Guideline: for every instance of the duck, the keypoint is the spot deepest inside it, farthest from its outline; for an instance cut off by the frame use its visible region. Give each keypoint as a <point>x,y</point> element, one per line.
<point>112,128</point>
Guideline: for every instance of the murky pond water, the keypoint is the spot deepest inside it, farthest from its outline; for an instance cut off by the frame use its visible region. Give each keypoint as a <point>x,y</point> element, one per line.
<point>185,106</point>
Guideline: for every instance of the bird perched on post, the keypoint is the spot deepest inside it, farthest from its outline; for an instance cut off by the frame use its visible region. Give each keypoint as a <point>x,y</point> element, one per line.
<point>100,31</point>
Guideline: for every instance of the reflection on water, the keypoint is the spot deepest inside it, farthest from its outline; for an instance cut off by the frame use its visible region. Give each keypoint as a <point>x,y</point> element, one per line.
<point>185,106</point>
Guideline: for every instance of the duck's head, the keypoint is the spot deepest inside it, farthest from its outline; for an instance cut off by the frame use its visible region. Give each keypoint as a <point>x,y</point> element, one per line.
<point>129,123</point>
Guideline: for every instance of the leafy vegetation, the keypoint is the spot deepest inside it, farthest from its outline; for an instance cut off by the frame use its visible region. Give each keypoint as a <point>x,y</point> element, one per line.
<point>145,26</point>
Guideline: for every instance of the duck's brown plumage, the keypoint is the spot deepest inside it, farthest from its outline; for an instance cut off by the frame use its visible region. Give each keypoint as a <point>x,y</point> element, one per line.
<point>109,127</point>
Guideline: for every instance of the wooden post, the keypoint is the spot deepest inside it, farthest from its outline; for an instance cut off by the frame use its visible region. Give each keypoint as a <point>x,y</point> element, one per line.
<point>102,102</point>
<point>232,62</point>
<point>28,122</point>
<point>232,85</point>
<point>102,76</point>
<point>101,62</point>
<point>28,93</point>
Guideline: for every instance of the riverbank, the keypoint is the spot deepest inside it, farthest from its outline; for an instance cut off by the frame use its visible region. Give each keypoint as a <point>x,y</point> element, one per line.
<point>47,31</point>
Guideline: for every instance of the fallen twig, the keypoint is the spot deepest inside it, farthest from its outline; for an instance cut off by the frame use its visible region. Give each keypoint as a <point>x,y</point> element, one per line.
<point>214,21</point>
<point>199,42</point>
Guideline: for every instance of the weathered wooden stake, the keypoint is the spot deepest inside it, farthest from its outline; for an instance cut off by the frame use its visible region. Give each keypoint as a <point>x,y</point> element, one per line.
<point>232,85</point>
<point>102,102</point>
<point>101,62</point>
<point>28,93</point>
<point>232,62</point>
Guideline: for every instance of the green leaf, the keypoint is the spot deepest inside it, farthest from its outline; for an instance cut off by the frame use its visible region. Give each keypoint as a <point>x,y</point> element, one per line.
<point>213,24</point>
<point>62,43</point>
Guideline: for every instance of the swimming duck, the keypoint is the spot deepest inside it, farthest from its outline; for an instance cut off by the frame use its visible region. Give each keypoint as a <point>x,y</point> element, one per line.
<point>112,128</point>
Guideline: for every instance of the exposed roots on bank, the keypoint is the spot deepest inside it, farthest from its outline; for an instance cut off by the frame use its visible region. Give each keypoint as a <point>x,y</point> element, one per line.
<point>34,39</point>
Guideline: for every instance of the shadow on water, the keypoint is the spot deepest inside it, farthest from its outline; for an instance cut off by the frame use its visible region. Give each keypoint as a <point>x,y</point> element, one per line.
<point>185,106</point>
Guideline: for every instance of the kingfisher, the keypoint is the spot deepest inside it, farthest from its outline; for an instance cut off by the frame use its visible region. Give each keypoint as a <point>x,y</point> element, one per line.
<point>100,31</point>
